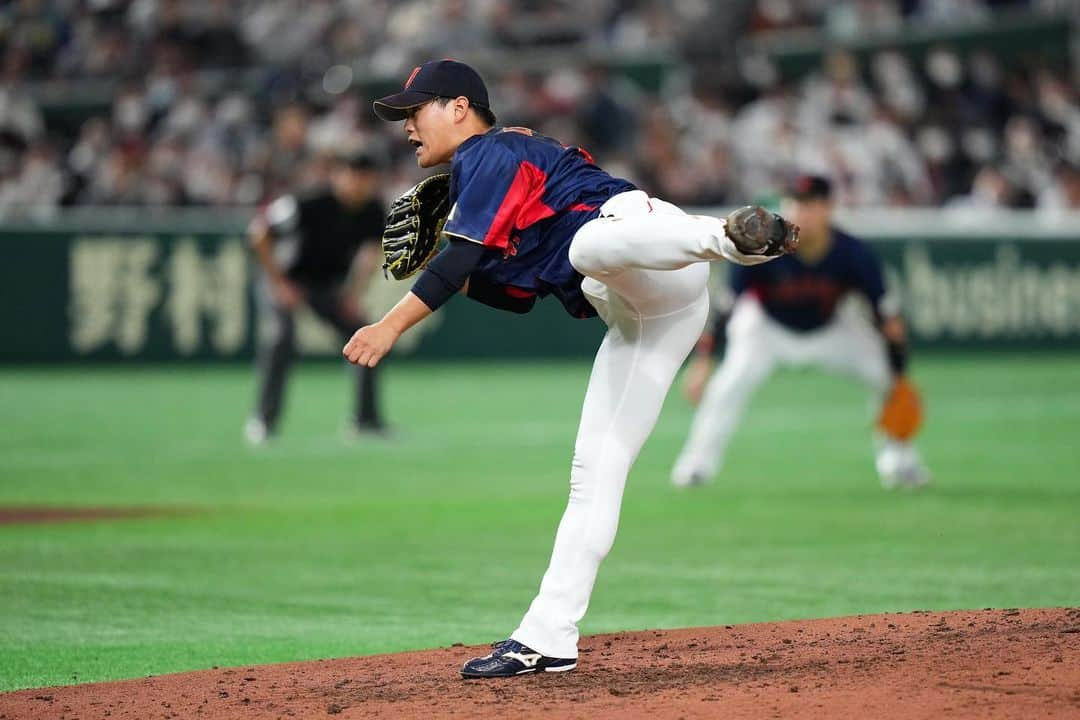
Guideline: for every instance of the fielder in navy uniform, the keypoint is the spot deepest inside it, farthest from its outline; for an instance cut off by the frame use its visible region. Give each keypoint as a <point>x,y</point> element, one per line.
<point>803,309</point>
<point>318,249</point>
<point>530,218</point>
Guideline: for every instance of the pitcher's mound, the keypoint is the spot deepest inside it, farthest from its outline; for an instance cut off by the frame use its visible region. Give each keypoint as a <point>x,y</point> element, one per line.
<point>986,664</point>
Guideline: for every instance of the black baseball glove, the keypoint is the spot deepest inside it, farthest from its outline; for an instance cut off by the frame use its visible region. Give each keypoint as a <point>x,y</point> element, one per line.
<point>414,226</point>
<point>756,231</point>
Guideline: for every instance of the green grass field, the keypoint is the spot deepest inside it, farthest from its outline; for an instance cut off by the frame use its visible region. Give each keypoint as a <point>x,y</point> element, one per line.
<point>317,547</point>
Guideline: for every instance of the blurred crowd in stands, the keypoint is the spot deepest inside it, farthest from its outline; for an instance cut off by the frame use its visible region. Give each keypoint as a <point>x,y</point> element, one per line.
<point>231,102</point>
<point>855,18</point>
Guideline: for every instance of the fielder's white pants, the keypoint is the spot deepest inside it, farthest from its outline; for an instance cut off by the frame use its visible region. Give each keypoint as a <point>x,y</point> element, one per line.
<point>756,345</point>
<point>642,262</point>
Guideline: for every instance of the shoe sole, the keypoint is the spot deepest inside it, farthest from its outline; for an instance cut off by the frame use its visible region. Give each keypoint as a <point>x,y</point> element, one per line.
<point>561,668</point>
<point>526,671</point>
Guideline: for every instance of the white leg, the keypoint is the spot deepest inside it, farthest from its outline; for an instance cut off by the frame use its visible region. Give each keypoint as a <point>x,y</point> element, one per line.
<point>853,346</point>
<point>748,361</point>
<point>856,348</point>
<point>654,318</point>
<point>663,237</point>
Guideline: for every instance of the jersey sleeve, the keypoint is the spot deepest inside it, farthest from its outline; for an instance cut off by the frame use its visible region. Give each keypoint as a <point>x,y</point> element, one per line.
<point>283,216</point>
<point>870,281</point>
<point>492,188</point>
<point>284,219</point>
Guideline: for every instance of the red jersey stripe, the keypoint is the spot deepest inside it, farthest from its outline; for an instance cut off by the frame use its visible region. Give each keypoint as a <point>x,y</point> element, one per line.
<point>521,206</point>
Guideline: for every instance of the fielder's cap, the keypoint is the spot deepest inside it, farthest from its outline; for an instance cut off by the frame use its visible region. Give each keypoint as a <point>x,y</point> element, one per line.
<point>811,187</point>
<point>435,78</point>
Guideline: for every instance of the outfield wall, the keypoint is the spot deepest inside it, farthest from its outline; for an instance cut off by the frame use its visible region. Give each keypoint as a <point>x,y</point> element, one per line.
<point>97,285</point>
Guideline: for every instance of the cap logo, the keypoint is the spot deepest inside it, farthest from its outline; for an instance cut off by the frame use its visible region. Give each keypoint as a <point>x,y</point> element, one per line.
<point>412,77</point>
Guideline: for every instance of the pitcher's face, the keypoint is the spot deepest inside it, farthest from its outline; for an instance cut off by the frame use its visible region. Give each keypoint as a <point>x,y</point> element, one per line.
<point>430,129</point>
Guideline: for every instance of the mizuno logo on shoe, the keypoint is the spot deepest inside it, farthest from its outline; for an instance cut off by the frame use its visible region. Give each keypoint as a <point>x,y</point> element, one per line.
<point>527,659</point>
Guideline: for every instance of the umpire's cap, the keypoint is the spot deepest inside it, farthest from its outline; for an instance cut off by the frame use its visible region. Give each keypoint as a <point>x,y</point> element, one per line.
<point>810,187</point>
<point>356,158</point>
<point>435,78</point>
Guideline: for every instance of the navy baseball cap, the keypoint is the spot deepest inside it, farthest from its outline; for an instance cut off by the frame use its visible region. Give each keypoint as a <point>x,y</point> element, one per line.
<point>810,187</point>
<point>435,78</point>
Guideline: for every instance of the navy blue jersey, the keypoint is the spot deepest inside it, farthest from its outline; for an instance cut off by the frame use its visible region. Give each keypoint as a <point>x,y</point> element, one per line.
<point>803,296</point>
<point>524,196</point>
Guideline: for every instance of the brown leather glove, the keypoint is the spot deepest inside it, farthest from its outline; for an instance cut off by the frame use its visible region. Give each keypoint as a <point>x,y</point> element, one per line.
<point>901,415</point>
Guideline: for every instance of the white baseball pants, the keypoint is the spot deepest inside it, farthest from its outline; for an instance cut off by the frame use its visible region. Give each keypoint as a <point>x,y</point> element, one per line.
<point>756,345</point>
<point>644,273</point>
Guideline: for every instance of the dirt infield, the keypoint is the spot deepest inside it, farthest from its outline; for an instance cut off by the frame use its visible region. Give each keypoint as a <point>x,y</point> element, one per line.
<point>978,664</point>
<point>19,515</point>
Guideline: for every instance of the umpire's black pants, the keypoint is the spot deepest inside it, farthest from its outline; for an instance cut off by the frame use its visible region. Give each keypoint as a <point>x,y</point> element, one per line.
<point>275,355</point>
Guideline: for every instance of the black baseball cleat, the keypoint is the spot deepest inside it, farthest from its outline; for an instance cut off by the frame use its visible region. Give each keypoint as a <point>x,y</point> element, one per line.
<point>368,430</point>
<point>510,658</point>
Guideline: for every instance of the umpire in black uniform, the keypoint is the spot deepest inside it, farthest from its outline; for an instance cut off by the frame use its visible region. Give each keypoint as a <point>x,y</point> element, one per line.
<point>319,249</point>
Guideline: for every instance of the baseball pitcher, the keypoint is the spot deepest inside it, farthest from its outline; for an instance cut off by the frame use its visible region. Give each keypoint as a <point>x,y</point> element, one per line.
<point>524,217</point>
